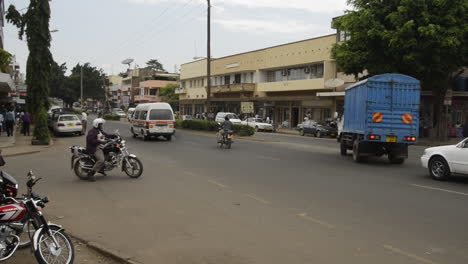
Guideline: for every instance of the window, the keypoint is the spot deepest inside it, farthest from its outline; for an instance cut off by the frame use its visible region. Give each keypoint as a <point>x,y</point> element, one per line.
<point>191,83</point>
<point>153,91</point>
<point>161,114</point>
<point>183,85</point>
<point>343,36</point>
<point>143,115</point>
<point>237,78</point>
<point>203,82</point>
<point>297,74</point>
<point>271,77</point>
<point>227,79</point>
<point>68,118</point>
<point>136,115</point>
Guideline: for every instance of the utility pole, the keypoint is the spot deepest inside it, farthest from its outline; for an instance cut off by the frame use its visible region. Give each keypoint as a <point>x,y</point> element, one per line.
<point>81,87</point>
<point>208,61</point>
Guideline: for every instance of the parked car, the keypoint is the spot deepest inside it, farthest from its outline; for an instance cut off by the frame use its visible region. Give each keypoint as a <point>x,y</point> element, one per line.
<point>232,117</point>
<point>187,117</point>
<point>444,161</point>
<point>258,124</point>
<point>317,128</point>
<point>67,124</point>
<point>119,112</point>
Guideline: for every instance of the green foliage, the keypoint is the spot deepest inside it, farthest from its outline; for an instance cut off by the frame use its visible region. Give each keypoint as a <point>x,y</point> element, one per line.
<point>155,65</point>
<point>35,24</point>
<point>112,117</point>
<point>168,93</point>
<point>93,82</point>
<point>41,131</point>
<point>5,60</point>
<point>240,130</point>
<point>243,130</point>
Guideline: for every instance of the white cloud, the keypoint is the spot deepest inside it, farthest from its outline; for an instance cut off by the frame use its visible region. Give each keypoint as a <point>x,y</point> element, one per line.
<point>316,6</point>
<point>256,26</point>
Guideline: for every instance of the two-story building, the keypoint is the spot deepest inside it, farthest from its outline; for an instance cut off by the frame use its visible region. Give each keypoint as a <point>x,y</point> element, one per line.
<point>149,91</point>
<point>285,82</point>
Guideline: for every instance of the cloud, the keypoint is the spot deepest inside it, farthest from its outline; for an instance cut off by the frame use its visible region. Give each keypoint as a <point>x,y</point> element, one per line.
<point>315,6</point>
<point>256,26</point>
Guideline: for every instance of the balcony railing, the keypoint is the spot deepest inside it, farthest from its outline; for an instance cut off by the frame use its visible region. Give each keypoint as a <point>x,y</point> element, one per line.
<point>234,88</point>
<point>181,91</point>
<point>151,98</point>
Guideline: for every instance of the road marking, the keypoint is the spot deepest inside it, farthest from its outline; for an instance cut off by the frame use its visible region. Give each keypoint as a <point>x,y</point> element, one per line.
<point>190,173</point>
<point>409,255</point>
<point>268,158</point>
<point>256,198</point>
<point>439,189</point>
<point>305,216</point>
<point>217,183</point>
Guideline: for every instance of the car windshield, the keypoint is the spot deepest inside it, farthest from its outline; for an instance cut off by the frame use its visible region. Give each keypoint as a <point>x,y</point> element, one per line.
<point>231,116</point>
<point>258,120</point>
<point>161,114</point>
<point>68,118</point>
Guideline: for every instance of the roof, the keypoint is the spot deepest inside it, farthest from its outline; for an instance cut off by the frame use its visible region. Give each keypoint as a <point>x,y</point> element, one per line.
<point>212,59</point>
<point>156,83</point>
<point>387,77</point>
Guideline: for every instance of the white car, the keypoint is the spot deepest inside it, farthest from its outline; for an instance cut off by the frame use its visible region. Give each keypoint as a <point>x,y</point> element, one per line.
<point>232,117</point>
<point>444,161</point>
<point>67,124</point>
<point>258,124</point>
<point>119,112</point>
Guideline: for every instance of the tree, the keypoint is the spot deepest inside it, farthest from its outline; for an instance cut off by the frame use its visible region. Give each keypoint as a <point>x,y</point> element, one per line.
<point>93,82</point>
<point>426,39</point>
<point>168,94</point>
<point>58,84</point>
<point>5,60</point>
<point>155,65</point>
<point>35,24</point>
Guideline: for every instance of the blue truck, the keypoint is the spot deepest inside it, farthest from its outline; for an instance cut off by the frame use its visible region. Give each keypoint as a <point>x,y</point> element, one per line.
<point>381,117</point>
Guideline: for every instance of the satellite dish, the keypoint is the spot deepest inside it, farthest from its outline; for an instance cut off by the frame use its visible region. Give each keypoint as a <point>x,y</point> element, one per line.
<point>127,61</point>
<point>333,83</point>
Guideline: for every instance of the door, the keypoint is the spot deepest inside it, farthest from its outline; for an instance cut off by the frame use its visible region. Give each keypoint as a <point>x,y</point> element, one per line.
<point>459,158</point>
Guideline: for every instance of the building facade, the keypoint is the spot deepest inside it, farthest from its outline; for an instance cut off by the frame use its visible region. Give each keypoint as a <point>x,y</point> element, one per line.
<point>285,82</point>
<point>149,91</point>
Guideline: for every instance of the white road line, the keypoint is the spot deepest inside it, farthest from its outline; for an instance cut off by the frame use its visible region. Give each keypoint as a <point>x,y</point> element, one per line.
<point>409,255</point>
<point>439,189</point>
<point>217,183</point>
<point>305,216</point>
<point>256,198</point>
<point>190,173</point>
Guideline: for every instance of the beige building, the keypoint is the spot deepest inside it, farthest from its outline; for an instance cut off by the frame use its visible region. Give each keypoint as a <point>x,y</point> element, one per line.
<point>149,91</point>
<point>285,82</point>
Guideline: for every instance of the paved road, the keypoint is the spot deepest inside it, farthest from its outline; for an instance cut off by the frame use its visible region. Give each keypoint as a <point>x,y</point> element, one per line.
<point>286,200</point>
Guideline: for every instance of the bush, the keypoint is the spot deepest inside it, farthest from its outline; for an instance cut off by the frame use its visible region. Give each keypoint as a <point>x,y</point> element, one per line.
<point>240,130</point>
<point>112,117</point>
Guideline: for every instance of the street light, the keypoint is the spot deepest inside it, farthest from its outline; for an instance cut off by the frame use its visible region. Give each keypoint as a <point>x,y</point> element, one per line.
<point>129,62</point>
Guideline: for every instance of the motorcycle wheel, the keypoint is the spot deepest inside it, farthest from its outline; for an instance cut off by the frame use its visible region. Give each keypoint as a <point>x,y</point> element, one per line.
<point>46,252</point>
<point>136,167</point>
<point>228,145</point>
<point>80,172</point>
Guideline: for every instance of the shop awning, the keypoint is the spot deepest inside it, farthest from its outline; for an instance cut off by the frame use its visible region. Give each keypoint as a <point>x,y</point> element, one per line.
<point>330,94</point>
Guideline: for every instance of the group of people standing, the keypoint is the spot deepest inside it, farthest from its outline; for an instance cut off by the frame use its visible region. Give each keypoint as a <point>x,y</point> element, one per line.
<point>9,120</point>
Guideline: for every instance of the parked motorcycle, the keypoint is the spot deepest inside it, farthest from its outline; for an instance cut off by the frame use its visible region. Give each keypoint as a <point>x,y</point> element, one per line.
<point>19,217</point>
<point>226,139</point>
<point>117,156</point>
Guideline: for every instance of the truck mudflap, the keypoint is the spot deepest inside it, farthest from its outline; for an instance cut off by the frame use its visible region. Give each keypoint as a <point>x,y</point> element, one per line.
<point>396,150</point>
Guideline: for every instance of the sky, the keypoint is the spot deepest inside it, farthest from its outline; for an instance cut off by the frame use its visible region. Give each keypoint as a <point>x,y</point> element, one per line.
<point>105,32</point>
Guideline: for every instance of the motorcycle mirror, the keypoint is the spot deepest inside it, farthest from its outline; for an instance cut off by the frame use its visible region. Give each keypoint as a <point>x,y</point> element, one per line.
<point>117,132</point>
<point>31,175</point>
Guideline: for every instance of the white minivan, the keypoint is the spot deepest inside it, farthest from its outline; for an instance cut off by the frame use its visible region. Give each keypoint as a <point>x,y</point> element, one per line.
<point>153,120</point>
<point>232,117</point>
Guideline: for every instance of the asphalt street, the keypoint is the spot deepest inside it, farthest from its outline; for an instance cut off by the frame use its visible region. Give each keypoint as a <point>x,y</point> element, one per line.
<point>276,199</point>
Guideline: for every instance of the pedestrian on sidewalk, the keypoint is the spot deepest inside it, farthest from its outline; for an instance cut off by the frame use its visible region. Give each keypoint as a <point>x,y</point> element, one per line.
<point>84,121</point>
<point>10,122</point>
<point>26,123</point>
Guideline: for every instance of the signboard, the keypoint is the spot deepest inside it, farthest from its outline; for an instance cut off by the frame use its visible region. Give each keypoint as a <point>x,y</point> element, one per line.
<point>125,100</point>
<point>247,107</point>
<point>20,101</point>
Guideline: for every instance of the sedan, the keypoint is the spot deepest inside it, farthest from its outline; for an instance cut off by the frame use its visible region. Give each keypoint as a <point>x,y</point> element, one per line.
<point>444,161</point>
<point>67,124</point>
<point>119,112</point>
<point>317,128</point>
<point>258,124</point>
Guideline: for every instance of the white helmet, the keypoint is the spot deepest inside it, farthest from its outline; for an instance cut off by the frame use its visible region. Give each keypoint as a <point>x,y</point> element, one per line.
<point>98,121</point>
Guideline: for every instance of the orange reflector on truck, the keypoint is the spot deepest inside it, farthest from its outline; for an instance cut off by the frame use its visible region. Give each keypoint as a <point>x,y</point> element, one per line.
<point>377,117</point>
<point>407,118</point>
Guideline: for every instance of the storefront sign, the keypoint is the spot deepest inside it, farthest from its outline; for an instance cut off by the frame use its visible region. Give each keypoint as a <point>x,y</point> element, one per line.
<point>247,107</point>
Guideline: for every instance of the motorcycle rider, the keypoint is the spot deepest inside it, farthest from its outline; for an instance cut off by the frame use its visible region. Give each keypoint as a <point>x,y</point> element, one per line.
<point>95,138</point>
<point>225,127</point>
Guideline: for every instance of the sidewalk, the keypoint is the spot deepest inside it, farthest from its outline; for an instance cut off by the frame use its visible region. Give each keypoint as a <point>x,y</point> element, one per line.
<point>19,145</point>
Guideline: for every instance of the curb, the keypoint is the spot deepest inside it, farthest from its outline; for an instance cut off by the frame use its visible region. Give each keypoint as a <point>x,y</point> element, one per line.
<point>23,153</point>
<point>120,258</point>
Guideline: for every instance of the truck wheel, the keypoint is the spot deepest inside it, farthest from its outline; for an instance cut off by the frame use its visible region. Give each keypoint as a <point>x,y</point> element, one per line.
<point>356,155</point>
<point>439,169</point>
<point>343,148</point>
<point>394,160</point>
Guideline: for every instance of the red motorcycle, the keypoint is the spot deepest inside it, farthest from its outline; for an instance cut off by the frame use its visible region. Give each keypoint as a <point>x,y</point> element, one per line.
<point>19,217</point>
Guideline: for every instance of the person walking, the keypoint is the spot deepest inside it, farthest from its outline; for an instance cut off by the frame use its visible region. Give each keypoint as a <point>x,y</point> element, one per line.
<point>10,122</point>
<point>84,121</point>
<point>26,123</point>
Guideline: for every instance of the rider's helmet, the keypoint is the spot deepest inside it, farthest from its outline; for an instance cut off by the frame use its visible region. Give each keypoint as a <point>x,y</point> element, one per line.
<point>226,118</point>
<point>98,121</point>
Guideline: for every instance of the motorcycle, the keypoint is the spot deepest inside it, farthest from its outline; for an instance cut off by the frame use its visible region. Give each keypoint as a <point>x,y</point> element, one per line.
<point>226,140</point>
<point>117,156</point>
<point>18,217</point>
